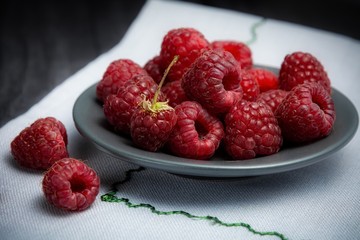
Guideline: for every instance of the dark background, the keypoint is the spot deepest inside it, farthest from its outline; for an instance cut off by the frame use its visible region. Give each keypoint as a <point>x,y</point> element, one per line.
<point>44,42</point>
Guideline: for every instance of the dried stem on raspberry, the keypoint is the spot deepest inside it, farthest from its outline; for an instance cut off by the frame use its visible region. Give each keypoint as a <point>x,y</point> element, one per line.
<point>154,105</point>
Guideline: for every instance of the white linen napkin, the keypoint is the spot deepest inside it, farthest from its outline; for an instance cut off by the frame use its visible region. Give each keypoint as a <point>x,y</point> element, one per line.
<point>316,202</point>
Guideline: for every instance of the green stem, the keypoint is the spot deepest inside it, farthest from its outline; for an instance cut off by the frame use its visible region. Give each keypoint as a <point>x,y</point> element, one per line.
<point>175,59</point>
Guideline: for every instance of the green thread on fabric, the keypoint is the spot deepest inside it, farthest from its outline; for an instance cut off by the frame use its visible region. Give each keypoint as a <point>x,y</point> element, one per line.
<point>111,197</point>
<point>253,32</point>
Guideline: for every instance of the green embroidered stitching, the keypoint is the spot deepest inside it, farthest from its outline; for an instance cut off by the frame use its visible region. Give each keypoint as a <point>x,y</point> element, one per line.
<point>110,197</point>
<point>253,31</point>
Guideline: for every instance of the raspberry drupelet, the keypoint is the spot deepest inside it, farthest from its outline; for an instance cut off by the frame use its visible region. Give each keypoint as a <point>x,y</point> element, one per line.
<point>266,79</point>
<point>154,68</point>
<point>174,93</point>
<point>272,98</point>
<point>250,86</point>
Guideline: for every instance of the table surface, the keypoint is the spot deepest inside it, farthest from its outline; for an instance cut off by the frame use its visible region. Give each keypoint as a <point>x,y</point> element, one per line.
<point>43,43</point>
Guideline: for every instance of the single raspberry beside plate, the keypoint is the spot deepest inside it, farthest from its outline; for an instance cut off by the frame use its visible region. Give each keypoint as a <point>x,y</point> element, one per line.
<point>307,113</point>
<point>116,74</point>
<point>41,144</point>
<point>301,67</point>
<point>239,50</point>
<point>187,43</point>
<point>251,130</point>
<point>214,81</point>
<point>272,98</point>
<point>197,134</point>
<point>70,184</point>
<point>266,79</point>
<point>118,108</point>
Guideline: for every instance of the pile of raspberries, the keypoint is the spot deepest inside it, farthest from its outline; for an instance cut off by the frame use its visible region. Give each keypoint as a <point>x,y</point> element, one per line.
<point>213,96</point>
<point>191,99</point>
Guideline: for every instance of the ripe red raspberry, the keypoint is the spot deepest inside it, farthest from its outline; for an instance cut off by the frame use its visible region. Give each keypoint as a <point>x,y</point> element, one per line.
<point>150,129</point>
<point>272,98</point>
<point>116,74</point>
<point>239,50</point>
<point>266,79</point>
<point>214,81</point>
<point>174,93</point>
<point>153,120</point>
<point>70,184</point>
<point>154,68</point>
<point>307,113</point>
<point>41,144</point>
<point>249,86</point>
<point>187,43</point>
<point>300,67</point>
<point>197,134</point>
<point>118,108</point>
<point>251,129</point>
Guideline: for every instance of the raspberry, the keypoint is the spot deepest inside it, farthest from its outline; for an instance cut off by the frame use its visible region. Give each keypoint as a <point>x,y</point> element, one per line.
<point>266,79</point>
<point>272,98</point>
<point>239,50</point>
<point>174,93</point>
<point>118,108</point>
<point>249,86</point>
<point>153,121</point>
<point>154,69</point>
<point>41,144</point>
<point>70,184</point>
<point>187,43</point>
<point>197,134</point>
<point>251,129</point>
<point>151,129</point>
<point>214,81</point>
<point>307,113</point>
<point>116,74</point>
<point>300,67</point>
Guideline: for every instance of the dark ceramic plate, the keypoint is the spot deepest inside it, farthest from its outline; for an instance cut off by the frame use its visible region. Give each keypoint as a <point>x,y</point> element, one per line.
<point>92,124</point>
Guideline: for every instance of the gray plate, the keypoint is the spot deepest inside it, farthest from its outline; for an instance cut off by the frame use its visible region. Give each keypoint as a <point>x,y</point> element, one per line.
<point>92,124</point>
